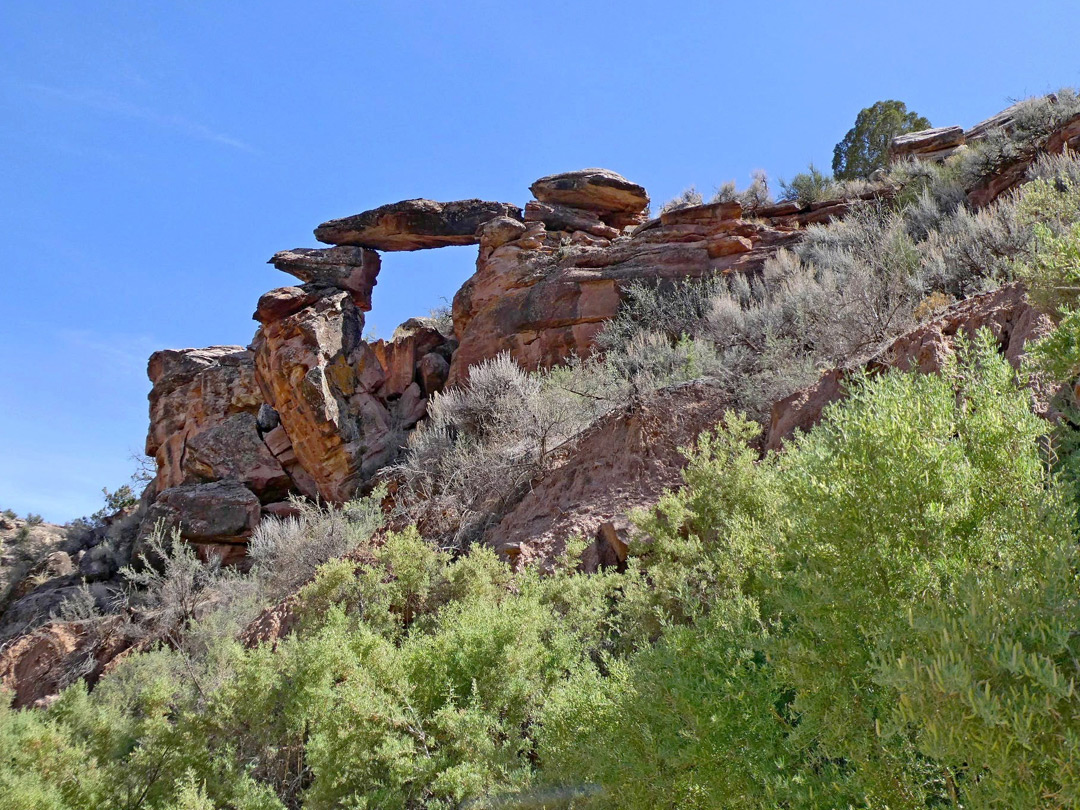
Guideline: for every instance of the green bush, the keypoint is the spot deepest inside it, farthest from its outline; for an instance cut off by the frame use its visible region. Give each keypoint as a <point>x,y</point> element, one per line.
<point>780,686</point>
<point>809,187</point>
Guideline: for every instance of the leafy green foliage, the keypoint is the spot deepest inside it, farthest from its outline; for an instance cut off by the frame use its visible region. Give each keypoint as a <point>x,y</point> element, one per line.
<point>865,147</point>
<point>780,685</point>
<point>809,187</point>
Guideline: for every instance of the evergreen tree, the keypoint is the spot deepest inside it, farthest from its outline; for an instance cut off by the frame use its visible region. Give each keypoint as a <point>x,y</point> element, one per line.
<point>866,145</point>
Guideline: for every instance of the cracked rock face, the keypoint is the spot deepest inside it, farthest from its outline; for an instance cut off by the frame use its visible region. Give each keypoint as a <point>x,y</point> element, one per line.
<point>194,392</point>
<point>415,224</point>
<point>320,376</point>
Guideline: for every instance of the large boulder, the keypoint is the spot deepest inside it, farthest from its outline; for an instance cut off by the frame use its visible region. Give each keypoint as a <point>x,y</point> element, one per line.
<point>194,391</point>
<point>353,269</point>
<point>415,224</point>
<point>928,144</point>
<point>234,449</point>
<point>217,517</point>
<point>600,190</point>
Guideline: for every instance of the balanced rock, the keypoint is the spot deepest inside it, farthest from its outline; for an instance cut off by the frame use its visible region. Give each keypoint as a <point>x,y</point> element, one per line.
<point>415,224</point>
<point>600,190</point>
<point>353,269</point>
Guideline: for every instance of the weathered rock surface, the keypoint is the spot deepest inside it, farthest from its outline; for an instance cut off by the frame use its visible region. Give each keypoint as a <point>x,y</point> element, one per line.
<point>928,144</point>
<point>600,190</point>
<point>195,390</point>
<point>317,372</point>
<point>543,296</point>
<point>1006,312</point>
<point>624,462</point>
<point>217,517</point>
<point>415,224</point>
<point>37,666</point>
<point>353,269</point>
<point>564,218</point>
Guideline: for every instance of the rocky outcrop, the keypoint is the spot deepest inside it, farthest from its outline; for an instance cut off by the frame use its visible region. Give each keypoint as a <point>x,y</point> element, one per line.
<point>617,201</point>
<point>414,224</point>
<point>624,462</point>
<point>320,376</point>
<point>195,390</point>
<point>37,666</point>
<point>1013,173</point>
<point>542,295</point>
<point>938,144</point>
<point>1006,312</point>
<point>217,518</point>
<point>311,408</point>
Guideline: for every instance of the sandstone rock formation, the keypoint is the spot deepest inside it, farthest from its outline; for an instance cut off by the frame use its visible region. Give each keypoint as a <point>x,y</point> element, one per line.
<point>543,294</point>
<point>616,200</point>
<point>313,409</point>
<point>928,144</point>
<point>414,224</point>
<point>37,666</point>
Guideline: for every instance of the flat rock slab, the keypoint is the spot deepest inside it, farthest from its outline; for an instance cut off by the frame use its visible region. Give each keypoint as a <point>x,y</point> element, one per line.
<point>415,224</point>
<point>348,268</point>
<point>927,140</point>
<point>592,189</point>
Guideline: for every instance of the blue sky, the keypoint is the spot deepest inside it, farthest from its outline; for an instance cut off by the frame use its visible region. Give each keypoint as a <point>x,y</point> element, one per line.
<point>154,154</point>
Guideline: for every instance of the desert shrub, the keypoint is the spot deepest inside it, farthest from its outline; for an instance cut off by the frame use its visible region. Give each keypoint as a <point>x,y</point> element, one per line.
<point>286,552</point>
<point>754,196</point>
<point>1053,277</point>
<point>1032,120</point>
<point>484,441</point>
<point>34,520</point>
<point>992,688</point>
<point>809,187</point>
<point>170,583</point>
<point>725,193</point>
<point>43,767</point>
<point>669,308</point>
<point>688,198</point>
<point>10,514</point>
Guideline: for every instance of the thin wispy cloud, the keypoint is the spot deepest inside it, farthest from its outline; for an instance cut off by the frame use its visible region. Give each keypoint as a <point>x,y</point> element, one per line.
<point>113,105</point>
<point>125,352</point>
